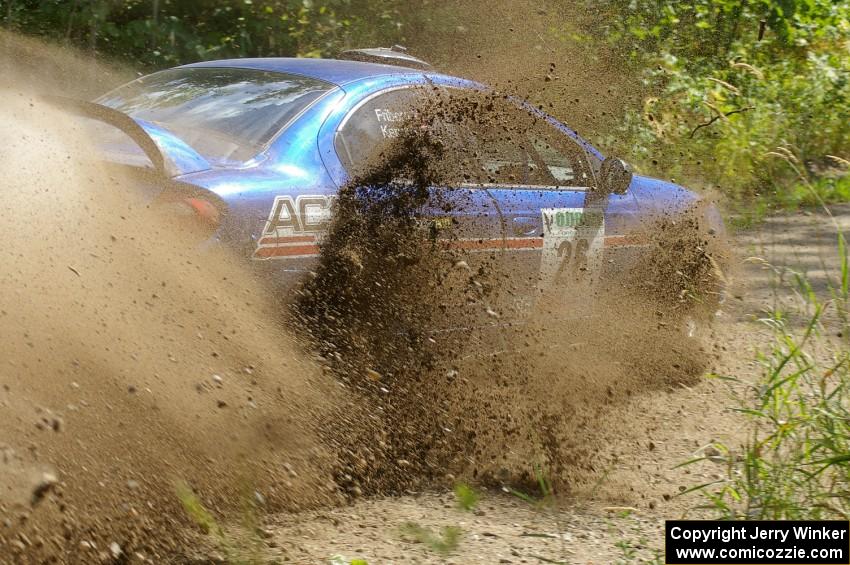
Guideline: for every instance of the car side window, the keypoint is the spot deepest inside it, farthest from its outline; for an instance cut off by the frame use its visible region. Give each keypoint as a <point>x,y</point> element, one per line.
<point>526,150</point>
<point>372,124</point>
<point>501,143</point>
<point>505,162</point>
<point>562,166</point>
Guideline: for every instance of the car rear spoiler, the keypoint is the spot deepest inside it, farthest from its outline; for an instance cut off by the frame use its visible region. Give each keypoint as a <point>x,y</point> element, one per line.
<point>169,155</point>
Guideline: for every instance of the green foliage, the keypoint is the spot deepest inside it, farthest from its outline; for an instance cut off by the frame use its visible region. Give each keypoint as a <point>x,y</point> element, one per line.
<point>711,30</point>
<point>725,82</point>
<point>731,81</point>
<point>467,497</point>
<point>163,33</point>
<point>443,543</point>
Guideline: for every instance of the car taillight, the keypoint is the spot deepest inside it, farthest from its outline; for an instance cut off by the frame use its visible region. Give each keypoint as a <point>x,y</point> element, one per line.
<point>206,210</point>
<point>195,214</point>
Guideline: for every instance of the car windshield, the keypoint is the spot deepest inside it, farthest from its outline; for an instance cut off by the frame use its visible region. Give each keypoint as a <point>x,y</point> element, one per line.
<point>225,114</point>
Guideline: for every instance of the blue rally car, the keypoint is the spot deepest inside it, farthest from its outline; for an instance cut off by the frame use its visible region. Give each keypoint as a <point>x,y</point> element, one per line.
<point>255,151</point>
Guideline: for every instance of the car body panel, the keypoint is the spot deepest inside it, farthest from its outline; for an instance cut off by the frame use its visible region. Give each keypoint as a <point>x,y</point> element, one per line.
<point>299,172</point>
<point>336,72</point>
<point>183,159</point>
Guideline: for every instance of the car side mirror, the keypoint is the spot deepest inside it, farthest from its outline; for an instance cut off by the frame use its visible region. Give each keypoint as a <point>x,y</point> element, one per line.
<point>615,176</point>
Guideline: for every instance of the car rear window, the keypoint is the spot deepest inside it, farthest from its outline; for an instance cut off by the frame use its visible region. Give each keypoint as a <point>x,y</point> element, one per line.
<point>375,122</point>
<point>504,145</point>
<point>225,114</point>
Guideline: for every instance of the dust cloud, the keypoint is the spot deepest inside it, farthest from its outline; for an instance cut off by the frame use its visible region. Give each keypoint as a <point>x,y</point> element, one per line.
<point>541,51</point>
<point>129,362</point>
<point>463,381</point>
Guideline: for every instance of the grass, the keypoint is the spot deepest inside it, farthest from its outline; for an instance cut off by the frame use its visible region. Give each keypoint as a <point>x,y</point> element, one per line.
<point>547,493</point>
<point>543,501</point>
<point>796,461</point>
<point>240,546</point>
<point>630,553</point>
<point>193,506</point>
<point>444,542</point>
<point>467,498</point>
<point>447,540</point>
<point>749,213</point>
<point>634,546</point>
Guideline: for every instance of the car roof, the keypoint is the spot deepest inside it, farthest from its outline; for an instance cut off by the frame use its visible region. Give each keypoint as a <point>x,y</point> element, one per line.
<point>330,70</point>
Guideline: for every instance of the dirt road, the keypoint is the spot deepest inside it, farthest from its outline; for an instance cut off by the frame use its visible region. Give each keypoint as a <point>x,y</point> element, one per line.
<point>619,516</point>
<point>146,394</point>
<point>129,379</point>
<point>110,405</point>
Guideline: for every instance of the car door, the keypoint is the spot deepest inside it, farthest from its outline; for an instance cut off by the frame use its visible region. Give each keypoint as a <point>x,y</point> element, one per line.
<point>553,226</point>
<point>522,189</point>
<point>378,120</point>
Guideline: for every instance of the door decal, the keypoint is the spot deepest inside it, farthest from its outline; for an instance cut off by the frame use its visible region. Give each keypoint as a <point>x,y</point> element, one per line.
<point>294,227</point>
<point>573,244</point>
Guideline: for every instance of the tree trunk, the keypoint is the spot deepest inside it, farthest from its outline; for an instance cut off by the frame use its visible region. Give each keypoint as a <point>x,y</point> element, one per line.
<point>71,20</point>
<point>155,26</point>
<point>95,14</point>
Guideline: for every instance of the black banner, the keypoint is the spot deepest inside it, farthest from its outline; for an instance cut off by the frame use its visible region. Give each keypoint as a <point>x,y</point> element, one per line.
<point>763,542</point>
